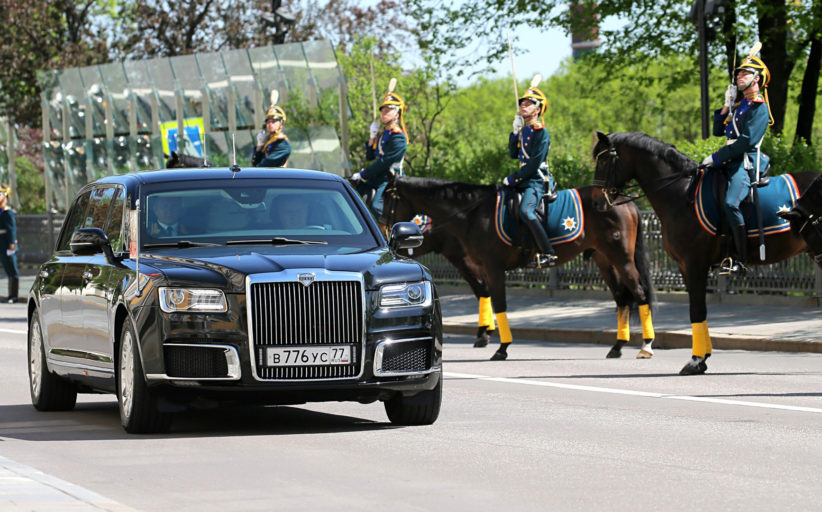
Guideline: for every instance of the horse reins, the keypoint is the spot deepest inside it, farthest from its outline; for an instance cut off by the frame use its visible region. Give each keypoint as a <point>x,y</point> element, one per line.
<point>395,196</point>
<point>814,222</point>
<point>608,189</point>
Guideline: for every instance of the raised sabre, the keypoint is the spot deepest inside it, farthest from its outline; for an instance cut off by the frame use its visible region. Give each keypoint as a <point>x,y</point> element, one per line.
<point>513,72</point>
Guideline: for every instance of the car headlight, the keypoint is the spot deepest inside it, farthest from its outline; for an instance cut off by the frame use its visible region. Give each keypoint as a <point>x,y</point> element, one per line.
<point>406,294</point>
<point>174,300</point>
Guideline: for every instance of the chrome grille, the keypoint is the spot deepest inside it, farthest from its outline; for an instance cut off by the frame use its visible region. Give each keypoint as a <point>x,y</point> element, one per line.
<point>291,314</point>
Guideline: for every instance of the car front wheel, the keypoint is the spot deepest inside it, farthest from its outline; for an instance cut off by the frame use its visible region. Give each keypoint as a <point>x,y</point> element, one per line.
<point>420,409</point>
<point>139,413</point>
<point>48,391</point>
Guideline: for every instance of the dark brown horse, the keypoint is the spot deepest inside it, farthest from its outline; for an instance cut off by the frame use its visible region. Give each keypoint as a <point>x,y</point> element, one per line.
<point>662,172</point>
<point>466,213</point>
<point>806,218</point>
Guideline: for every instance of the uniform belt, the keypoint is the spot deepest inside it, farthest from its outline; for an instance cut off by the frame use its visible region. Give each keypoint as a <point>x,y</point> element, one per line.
<point>730,141</point>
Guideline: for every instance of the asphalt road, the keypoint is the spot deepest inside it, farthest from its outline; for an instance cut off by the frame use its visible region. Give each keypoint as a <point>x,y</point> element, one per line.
<point>556,427</point>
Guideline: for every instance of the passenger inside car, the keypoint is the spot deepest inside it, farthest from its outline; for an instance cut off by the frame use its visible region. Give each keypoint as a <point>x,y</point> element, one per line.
<point>164,217</point>
<point>290,212</point>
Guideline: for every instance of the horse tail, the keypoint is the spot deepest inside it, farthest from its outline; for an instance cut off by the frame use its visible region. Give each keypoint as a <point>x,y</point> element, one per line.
<point>643,265</point>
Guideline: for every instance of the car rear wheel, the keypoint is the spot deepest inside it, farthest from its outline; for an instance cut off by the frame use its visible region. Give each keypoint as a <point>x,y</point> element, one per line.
<point>420,409</point>
<point>139,413</point>
<point>48,391</point>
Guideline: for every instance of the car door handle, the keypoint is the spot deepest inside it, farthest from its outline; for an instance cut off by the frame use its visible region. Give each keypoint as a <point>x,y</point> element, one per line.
<point>88,275</point>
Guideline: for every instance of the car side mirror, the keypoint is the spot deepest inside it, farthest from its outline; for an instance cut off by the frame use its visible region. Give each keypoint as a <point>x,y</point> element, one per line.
<point>404,235</point>
<point>90,241</point>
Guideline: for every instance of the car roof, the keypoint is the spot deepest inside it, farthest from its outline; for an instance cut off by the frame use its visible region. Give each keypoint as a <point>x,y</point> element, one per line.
<point>198,174</point>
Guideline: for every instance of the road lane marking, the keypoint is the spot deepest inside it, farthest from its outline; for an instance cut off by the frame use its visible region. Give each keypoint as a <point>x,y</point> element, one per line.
<point>13,331</point>
<point>629,392</point>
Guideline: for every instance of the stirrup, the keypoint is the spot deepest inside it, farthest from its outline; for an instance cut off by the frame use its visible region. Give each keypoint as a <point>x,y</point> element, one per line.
<point>730,266</point>
<point>543,260</point>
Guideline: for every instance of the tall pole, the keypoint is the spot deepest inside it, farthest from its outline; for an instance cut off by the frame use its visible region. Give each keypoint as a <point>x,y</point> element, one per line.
<point>703,66</point>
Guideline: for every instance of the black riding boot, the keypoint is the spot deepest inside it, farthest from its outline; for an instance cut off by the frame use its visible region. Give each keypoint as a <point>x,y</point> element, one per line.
<point>14,286</point>
<point>740,238</point>
<point>546,256</point>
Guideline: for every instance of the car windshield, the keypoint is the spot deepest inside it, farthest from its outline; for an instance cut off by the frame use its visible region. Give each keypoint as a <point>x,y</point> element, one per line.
<point>248,212</point>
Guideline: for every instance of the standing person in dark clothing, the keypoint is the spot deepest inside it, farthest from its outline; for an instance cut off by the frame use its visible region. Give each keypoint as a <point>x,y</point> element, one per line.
<point>8,244</point>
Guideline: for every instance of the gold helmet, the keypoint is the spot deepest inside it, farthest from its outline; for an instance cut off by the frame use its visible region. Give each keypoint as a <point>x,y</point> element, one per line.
<point>537,97</point>
<point>275,112</point>
<point>757,67</point>
<point>392,99</point>
<point>5,189</point>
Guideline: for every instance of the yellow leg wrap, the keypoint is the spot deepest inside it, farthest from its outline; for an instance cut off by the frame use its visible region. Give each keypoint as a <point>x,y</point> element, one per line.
<point>504,329</point>
<point>486,313</point>
<point>623,326</point>
<point>647,323</point>
<point>701,339</point>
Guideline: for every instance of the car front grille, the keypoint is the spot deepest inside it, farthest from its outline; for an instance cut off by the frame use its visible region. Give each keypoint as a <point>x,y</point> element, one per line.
<point>407,357</point>
<point>187,361</point>
<point>290,314</point>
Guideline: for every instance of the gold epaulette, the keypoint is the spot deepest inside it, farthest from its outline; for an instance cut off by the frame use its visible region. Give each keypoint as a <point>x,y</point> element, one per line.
<point>758,99</point>
<point>396,129</point>
<point>538,125</point>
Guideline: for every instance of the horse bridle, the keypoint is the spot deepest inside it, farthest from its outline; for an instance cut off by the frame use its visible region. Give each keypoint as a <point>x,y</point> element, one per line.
<point>390,192</point>
<point>608,185</point>
<point>814,222</point>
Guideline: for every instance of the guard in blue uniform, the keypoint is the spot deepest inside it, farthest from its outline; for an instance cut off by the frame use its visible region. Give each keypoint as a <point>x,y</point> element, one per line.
<point>744,124</point>
<point>529,142</point>
<point>273,148</point>
<point>8,244</point>
<point>386,147</point>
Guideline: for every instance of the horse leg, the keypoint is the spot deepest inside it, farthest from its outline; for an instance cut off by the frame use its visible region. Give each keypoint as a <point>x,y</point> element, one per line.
<point>623,309</point>
<point>456,255</point>
<point>700,338</point>
<point>648,335</point>
<point>486,322</point>
<point>496,285</point>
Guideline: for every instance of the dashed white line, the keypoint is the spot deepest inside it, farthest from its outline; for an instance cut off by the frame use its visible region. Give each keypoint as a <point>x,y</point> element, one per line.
<point>648,394</point>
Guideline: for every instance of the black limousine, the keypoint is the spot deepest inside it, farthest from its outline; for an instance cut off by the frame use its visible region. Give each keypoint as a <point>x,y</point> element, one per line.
<point>232,285</point>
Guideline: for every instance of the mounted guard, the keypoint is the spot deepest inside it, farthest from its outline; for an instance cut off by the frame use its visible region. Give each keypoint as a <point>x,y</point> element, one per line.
<point>386,147</point>
<point>273,148</point>
<point>529,142</point>
<point>744,123</point>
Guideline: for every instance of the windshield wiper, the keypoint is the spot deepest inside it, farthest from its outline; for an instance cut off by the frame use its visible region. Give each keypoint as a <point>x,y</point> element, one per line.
<point>276,241</point>
<point>181,244</point>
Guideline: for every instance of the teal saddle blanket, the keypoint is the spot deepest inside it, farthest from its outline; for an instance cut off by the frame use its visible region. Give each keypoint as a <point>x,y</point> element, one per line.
<point>778,195</point>
<point>565,221</point>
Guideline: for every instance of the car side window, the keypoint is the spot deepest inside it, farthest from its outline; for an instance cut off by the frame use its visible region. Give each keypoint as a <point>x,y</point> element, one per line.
<point>98,207</point>
<point>114,226</point>
<point>74,221</point>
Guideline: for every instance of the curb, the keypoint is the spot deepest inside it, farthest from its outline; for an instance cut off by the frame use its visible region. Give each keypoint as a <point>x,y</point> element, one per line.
<point>663,340</point>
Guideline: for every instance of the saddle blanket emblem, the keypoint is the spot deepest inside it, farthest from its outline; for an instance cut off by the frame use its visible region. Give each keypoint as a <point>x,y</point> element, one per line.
<point>423,222</point>
<point>565,222</point>
<point>779,195</point>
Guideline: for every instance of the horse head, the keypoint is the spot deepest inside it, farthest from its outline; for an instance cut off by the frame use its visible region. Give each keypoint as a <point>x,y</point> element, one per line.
<point>172,161</point>
<point>394,208</point>
<point>806,218</point>
<point>607,182</point>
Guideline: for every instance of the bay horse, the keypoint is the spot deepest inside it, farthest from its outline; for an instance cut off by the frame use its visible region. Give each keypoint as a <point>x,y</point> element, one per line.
<point>806,218</point>
<point>177,160</point>
<point>467,214</point>
<point>663,173</point>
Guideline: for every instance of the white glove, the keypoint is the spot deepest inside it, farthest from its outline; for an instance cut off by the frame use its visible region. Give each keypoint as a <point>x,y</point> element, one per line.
<point>357,176</point>
<point>517,125</point>
<point>505,182</point>
<point>261,137</point>
<point>730,95</point>
<point>374,129</point>
<point>10,252</point>
<point>708,162</point>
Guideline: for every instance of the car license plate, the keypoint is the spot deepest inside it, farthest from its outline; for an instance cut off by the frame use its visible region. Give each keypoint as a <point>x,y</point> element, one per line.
<point>308,356</point>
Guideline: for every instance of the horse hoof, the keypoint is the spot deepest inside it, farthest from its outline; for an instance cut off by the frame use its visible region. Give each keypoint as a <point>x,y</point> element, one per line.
<point>644,354</point>
<point>614,353</point>
<point>696,366</point>
<point>482,341</point>
<point>499,356</point>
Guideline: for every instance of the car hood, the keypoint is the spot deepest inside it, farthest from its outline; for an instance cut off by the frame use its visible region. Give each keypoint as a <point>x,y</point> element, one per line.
<point>378,266</point>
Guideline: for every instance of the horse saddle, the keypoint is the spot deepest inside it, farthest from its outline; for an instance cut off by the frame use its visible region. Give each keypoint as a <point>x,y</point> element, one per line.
<point>564,220</point>
<point>775,194</point>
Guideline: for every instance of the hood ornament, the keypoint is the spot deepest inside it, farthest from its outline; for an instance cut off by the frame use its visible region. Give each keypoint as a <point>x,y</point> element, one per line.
<point>306,279</point>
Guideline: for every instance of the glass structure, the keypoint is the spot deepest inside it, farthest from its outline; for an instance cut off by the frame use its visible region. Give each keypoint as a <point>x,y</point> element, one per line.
<point>127,116</point>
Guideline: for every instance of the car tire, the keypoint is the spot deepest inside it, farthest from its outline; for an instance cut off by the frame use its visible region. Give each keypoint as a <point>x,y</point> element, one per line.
<point>49,392</point>
<point>139,413</point>
<point>420,409</point>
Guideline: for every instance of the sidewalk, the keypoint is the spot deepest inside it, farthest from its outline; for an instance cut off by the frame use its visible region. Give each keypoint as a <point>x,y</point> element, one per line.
<point>537,316</point>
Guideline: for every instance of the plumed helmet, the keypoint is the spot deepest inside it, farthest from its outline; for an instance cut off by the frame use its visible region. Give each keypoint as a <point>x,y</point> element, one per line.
<point>5,189</point>
<point>392,99</point>
<point>757,67</point>
<point>275,112</point>
<point>536,96</point>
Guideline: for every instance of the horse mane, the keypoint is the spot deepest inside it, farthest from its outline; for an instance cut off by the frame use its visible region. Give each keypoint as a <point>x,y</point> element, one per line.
<point>438,189</point>
<point>665,151</point>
